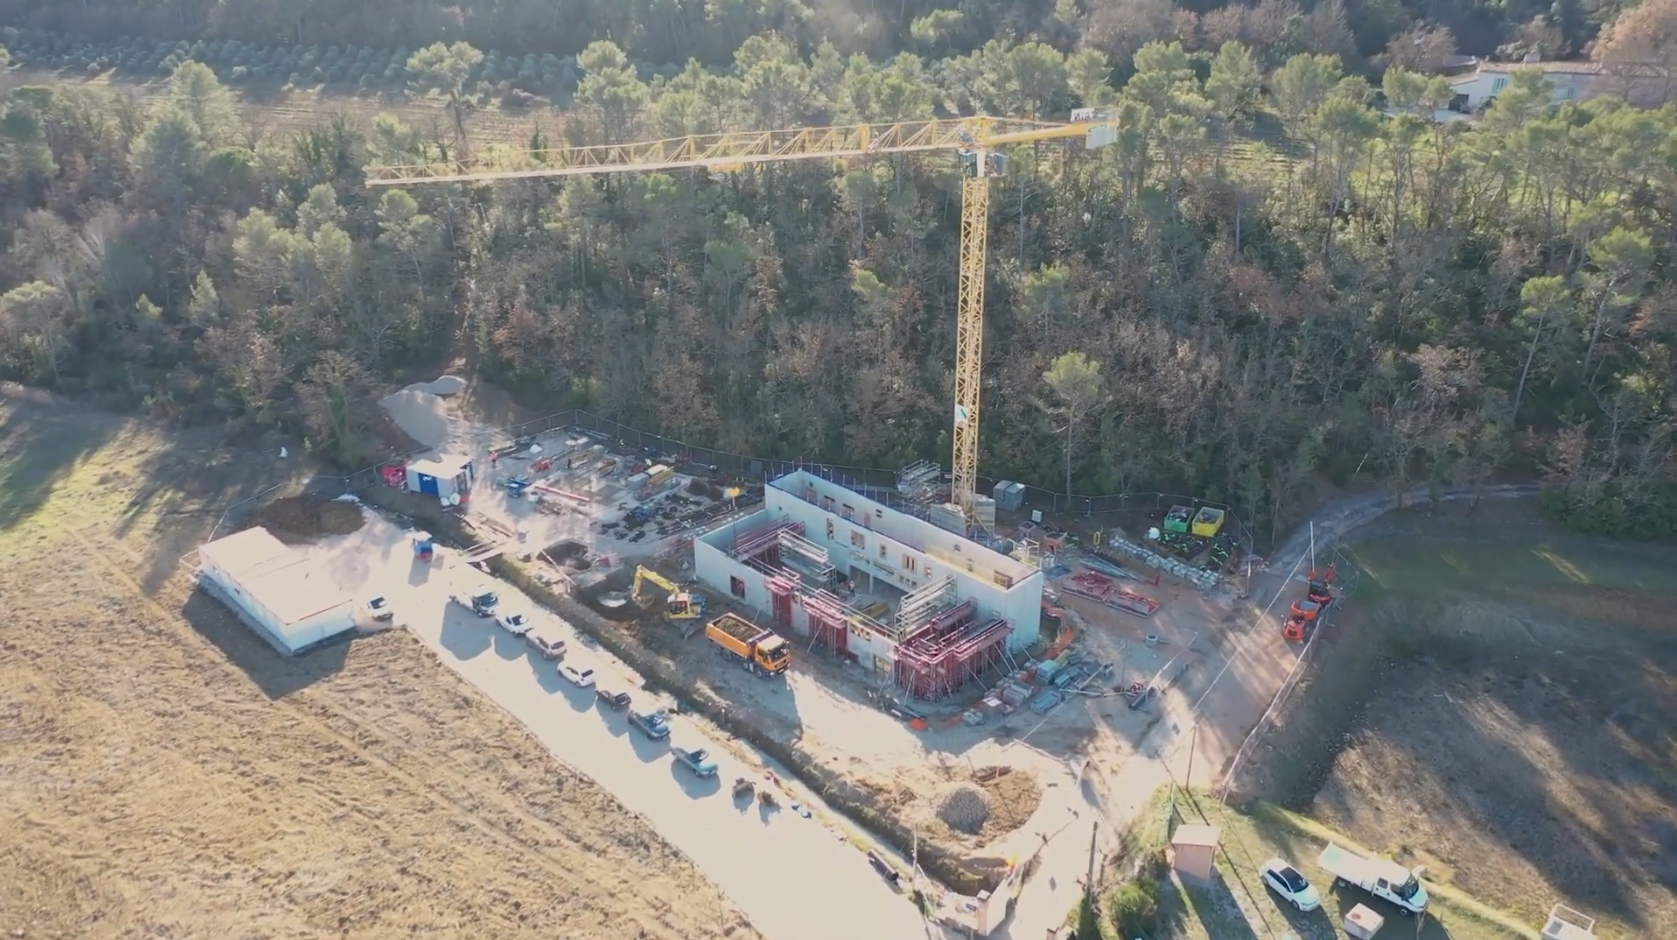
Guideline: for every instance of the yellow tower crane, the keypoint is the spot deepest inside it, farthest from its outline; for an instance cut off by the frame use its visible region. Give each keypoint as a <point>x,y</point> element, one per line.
<point>975,139</point>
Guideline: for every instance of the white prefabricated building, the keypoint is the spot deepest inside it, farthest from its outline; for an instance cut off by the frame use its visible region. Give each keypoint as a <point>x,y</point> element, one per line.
<point>870,544</point>
<point>281,593</point>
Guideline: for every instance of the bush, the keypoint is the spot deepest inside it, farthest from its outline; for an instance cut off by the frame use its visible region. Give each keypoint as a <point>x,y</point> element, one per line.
<point>1135,907</point>
<point>239,73</point>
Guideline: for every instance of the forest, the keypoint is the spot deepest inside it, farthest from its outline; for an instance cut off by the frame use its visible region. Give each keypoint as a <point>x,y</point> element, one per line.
<point>1282,275</point>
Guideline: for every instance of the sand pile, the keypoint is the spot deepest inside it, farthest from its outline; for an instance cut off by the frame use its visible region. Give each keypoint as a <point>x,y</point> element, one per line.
<point>964,807</point>
<point>420,414</point>
<point>444,385</point>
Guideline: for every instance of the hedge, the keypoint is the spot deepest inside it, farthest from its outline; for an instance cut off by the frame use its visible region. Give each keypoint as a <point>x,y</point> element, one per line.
<point>935,860</point>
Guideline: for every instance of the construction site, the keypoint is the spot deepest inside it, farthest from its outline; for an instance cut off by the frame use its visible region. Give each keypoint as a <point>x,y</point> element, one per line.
<point>961,621</point>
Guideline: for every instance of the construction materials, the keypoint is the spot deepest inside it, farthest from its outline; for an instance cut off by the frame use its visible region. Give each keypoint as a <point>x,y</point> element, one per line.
<point>757,649</point>
<point>948,650</point>
<point>678,604</point>
<point>964,807</point>
<point>1098,587</point>
<point>1204,580</point>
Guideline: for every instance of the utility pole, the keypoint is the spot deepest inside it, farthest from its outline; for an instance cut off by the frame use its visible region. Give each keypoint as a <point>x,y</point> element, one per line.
<point>1089,883</point>
<point>1193,745</point>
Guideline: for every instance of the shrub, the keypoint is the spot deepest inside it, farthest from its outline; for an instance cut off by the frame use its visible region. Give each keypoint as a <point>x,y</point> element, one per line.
<point>294,79</point>
<point>1135,908</point>
<point>239,73</point>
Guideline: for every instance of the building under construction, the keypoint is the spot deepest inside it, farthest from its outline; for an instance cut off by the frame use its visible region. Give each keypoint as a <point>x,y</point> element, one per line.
<point>959,607</point>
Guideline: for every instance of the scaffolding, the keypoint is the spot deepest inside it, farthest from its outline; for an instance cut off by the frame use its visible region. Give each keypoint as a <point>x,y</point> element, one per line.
<point>829,621</point>
<point>806,557</point>
<point>921,605</point>
<point>920,482</point>
<point>753,543</point>
<point>953,648</point>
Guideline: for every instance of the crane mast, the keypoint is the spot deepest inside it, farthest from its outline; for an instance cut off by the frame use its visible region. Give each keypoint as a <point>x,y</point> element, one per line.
<point>975,139</point>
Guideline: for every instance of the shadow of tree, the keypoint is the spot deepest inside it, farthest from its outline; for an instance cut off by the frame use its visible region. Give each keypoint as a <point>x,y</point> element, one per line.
<point>39,450</point>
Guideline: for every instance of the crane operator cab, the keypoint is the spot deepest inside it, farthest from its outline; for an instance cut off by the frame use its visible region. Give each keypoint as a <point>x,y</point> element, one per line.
<point>982,164</point>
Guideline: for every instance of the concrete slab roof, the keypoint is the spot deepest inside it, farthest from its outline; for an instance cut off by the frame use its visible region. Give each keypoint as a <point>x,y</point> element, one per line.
<point>285,581</point>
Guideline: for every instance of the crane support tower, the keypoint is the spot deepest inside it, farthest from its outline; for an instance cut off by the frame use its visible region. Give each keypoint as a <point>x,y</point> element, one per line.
<point>977,140</point>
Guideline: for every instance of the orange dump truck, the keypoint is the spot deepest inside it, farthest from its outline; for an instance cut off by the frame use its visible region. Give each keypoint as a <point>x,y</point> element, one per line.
<point>756,648</point>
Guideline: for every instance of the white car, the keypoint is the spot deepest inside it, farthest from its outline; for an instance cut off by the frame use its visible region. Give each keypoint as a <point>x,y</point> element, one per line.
<point>1285,880</point>
<point>515,624</point>
<point>581,678</point>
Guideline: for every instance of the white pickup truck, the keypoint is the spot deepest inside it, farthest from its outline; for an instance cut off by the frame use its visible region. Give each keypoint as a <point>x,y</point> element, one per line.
<point>1380,877</point>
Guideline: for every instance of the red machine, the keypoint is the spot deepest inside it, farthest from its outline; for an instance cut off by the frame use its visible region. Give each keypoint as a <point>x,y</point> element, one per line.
<point>1305,611</point>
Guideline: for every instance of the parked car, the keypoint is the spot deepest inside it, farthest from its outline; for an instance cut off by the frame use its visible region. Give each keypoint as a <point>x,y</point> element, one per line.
<point>581,678</point>
<point>548,645</point>
<point>653,724</point>
<point>1294,888</point>
<point>695,760</point>
<point>613,700</point>
<point>515,624</point>
<point>381,609</point>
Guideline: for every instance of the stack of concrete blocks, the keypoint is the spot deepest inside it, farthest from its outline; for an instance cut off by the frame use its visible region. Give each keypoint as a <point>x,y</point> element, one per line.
<point>1204,580</point>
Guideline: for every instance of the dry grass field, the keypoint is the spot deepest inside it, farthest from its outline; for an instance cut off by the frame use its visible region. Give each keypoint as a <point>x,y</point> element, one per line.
<point>1495,705</point>
<point>167,774</point>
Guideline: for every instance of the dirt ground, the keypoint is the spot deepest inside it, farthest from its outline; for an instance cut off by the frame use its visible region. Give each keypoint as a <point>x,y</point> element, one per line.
<point>167,774</point>
<point>1497,708</point>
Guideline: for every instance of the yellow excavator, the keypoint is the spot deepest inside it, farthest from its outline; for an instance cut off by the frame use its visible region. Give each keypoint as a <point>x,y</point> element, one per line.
<point>678,604</point>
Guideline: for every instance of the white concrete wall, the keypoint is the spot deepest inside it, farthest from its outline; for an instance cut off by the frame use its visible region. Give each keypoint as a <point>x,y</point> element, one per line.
<point>311,630</point>
<point>292,637</point>
<point>908,568</point>
<point>713,569</point>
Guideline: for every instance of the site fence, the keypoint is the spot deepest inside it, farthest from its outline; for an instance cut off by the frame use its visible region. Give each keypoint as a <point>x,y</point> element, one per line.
<point>876,483</point>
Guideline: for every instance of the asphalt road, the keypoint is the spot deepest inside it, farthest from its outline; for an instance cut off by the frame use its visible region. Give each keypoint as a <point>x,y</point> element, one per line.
<point>793,877</point>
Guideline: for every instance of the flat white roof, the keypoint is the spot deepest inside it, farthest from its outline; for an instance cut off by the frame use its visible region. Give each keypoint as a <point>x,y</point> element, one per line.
<point>278,577</point>
<point>444,466</point>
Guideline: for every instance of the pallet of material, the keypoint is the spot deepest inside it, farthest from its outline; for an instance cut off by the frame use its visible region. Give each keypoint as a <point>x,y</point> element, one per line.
<point>1088,584</point>
<point>1133,602</point>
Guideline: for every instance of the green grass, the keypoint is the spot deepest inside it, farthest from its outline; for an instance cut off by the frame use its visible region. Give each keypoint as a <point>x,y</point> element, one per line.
<point>1237,906</point>
<point>1425,564</point>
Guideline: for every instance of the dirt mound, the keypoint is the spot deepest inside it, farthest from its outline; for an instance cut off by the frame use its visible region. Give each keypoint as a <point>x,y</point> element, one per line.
<point>420,414</point>
<point>964,807</point>
<point>307,517</point>
<point>1014,796</point>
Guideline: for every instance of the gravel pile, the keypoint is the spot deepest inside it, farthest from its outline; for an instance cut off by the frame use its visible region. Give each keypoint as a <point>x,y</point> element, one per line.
<point>420,414</point>
<point>964,807</point>
<point>444,385</point>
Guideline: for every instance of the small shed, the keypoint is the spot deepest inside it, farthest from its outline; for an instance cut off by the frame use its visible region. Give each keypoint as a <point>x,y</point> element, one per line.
<point>442,477</point>
<point>1363,923</point>
<point>1194,851</point>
